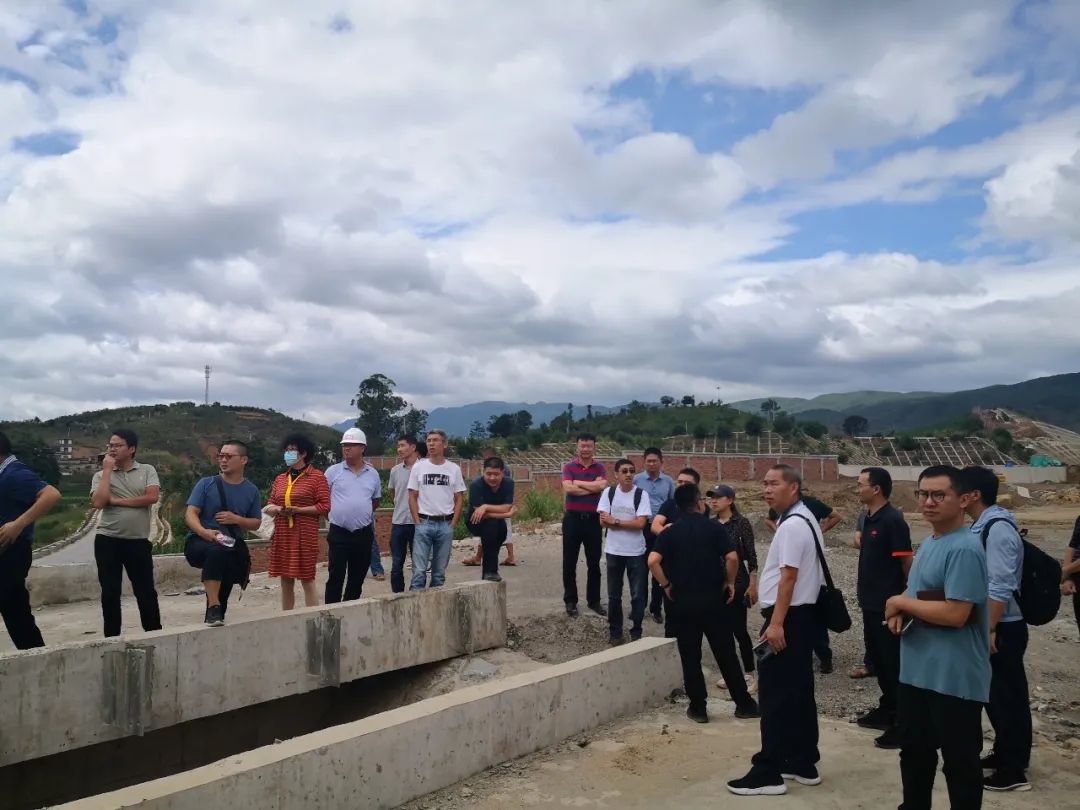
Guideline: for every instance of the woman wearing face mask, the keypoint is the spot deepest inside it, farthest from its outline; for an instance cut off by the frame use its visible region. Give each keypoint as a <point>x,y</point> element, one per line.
<point>299,499</point>
<point>746,578</point>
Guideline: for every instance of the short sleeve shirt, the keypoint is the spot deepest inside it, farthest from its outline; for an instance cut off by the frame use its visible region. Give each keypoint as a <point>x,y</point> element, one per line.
<point>694,552</point>
<point>670,511</point>
<point>1074,544</point>
<point>625,542</point>
<point>19,488</point>
<point>576,471</point>
<point>794,546</point>
<point>436,485</point>
<point>480,494</point>
<point>242,499</point>
<point>125,522</point>
<point>399,485</point>
<point>819,509</point>
<point>950,660</point>
<point>886,541</point>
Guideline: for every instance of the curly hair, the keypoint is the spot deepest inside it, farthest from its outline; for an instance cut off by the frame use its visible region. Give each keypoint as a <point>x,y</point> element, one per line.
<point>303,445</point>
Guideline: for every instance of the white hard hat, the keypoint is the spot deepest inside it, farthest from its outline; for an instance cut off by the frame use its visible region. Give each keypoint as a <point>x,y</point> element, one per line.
<point>354,436</point>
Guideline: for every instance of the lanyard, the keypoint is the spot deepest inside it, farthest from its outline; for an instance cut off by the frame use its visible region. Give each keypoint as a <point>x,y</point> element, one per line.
<point>288,490</point>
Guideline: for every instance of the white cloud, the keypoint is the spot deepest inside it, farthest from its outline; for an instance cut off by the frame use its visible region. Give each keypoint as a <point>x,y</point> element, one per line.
<point>455,196</point>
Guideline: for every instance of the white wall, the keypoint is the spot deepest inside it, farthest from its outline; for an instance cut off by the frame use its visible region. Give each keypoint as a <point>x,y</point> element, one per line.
<point>1013,475</point>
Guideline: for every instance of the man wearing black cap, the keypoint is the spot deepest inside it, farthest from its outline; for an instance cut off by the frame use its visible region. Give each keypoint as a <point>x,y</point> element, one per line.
<point>695,562</point>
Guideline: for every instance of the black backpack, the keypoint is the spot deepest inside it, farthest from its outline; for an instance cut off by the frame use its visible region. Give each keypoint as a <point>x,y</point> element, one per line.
<point>1039,596</point>
<point>638,492</point>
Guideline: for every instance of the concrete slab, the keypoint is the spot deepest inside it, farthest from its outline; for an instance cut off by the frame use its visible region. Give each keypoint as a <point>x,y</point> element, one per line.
<point>97,691</point>
<point>61,584</point>
<point>393,757</point>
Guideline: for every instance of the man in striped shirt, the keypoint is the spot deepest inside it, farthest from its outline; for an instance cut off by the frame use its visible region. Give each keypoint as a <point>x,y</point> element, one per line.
<point>583,479</point>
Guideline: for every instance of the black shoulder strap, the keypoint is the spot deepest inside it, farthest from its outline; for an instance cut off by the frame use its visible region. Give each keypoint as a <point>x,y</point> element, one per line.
<point>817,548</point>
<point>986,529</point>
<point>225,506</point>
<point>638,492</point>
<point>611,496</point>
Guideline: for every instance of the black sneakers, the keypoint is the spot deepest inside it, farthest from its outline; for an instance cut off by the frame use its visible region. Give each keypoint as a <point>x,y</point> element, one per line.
<point>491,578</point>
<point>697,715</point>
<point>757,784</point>
<point>748,711</point>
<point>804,776</point>
<point>1002,781</point>
<point>657,617</point>
<point>889,741</point>
<point>215,616</point>
<point>598,609</point>
<point>571,611</point>
<point>876,719</point>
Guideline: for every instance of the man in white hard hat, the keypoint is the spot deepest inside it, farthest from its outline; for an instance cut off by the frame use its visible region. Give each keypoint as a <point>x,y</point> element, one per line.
<point>355,491</point>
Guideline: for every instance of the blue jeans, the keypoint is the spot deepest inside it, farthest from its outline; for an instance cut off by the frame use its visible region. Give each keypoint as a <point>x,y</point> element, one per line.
<point>401,540</point>
<point>376,559</point>
<point>431,544</point>
<point>635,570</point>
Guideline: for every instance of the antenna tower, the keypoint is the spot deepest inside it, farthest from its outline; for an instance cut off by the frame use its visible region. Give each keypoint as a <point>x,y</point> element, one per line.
<point>206,395</point>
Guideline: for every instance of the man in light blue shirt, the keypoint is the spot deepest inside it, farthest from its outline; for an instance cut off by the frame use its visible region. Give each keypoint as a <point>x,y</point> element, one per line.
<point>355,492</point>
<point>944,650</point>
<point>660,488</point>
<point>1008,709</point>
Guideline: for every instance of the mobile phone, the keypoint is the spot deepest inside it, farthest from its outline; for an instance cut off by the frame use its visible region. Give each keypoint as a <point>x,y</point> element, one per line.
<point>762,650</point>
<point>906,626</point>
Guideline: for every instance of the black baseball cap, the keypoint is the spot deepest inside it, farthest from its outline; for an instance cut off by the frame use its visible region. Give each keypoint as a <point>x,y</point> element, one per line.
<point>721,491</point>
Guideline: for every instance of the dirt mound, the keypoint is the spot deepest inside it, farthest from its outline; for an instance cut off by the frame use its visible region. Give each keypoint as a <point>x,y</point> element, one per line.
<point>1070,495</point>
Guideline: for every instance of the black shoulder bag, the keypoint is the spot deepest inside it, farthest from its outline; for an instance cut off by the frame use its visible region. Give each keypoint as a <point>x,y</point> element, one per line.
<point>243,566</point>
<point>830,601</point>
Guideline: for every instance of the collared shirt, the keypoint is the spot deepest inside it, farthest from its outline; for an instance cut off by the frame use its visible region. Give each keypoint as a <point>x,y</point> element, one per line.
<point>886,541</point>
<point>793,546</point>
<point>658,489</point>
<point>125,522</point>
<point>1004,559</point>
<point>241,499</point>
<point>694,552</point>
<point>19,488</point>
<point>399,485</point>
<point>351,495</point>
<point>577,472</point>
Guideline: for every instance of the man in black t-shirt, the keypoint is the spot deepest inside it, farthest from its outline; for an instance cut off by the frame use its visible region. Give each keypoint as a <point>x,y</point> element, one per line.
<point>665,518</point>
<point>491,502</point>
<point>885,556</point>
<point>695,562</point>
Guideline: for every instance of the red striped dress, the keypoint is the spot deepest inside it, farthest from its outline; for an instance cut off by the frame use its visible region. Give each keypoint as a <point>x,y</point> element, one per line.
<point>294,550</point>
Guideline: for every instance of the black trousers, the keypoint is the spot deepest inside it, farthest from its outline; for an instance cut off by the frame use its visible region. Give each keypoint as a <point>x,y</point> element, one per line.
<point>1076,608</point>
<point>349,556</point>
<point>928,721</point>
<point>883,650</point>
<point>581,529</point>
<point>114,556</point>
<point>739,612</point>
<point>714,624</point>
<point>1009,710</point>
<point>789,723</point>
<point>492,537</point>
<point>656,595</point>
<point>218,563</point>
<point>15,560</point>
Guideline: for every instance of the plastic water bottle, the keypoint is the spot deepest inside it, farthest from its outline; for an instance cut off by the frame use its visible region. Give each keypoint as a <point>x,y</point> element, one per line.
<point>226,540</point>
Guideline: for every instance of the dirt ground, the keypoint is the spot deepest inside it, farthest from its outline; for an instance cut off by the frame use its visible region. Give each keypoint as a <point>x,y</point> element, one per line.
<point>637,762</point>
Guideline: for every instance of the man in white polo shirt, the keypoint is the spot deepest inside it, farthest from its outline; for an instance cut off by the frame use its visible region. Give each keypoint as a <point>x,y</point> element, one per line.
<point>355,492</point>
<point>788,591</point>
<point>624,510</point>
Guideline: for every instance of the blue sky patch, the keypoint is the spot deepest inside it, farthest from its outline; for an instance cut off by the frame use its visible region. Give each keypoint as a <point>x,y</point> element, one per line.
<point>45,144</point>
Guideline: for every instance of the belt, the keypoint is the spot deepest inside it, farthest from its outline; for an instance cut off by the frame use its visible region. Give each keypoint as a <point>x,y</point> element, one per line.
<point>437,518</point>
<point>582,514</point>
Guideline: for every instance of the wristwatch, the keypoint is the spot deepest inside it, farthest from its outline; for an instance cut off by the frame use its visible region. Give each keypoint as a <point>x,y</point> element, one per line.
<point>617,521</point>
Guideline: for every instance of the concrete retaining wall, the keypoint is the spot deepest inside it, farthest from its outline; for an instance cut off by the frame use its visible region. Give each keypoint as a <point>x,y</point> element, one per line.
<point>78,582</point>
<point>1013,475</point>
<point>62,698</point>
<point>391,758</point>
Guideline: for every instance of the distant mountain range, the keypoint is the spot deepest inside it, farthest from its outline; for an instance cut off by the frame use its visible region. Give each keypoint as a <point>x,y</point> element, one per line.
<point>1053,399</point>
<point>458,420</point>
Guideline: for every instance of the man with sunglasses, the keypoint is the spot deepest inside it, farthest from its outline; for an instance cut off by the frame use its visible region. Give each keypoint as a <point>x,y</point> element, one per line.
<point>624,511</point>
<point>943,623</point>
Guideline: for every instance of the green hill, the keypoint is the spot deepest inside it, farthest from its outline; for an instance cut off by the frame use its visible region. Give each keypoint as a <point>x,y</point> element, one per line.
<point>845,402</point>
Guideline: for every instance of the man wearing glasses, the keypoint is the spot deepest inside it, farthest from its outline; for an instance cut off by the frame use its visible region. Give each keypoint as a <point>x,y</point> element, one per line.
<point>124,491</point>
<point>943,623</point>
<point>624,510</point>
<point>220,512</point>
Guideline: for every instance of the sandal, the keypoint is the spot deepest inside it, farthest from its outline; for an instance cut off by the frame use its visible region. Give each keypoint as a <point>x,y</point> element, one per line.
<point>470,562</point>
<point>860,672</point>
<point>380,577</point>
<point>509,562</point>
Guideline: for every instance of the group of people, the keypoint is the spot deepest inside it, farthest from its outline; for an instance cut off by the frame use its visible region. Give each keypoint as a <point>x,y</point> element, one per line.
<point>943,630</point>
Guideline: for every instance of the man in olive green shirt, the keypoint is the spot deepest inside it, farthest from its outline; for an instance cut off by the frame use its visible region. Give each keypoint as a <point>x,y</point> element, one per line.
<point>125,491</point>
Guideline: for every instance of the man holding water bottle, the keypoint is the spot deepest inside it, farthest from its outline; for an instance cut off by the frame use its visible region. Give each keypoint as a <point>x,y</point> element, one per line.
<point>222,509</point>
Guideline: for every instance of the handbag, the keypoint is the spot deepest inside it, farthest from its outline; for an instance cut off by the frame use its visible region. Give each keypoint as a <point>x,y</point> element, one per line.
<point>830,602</point>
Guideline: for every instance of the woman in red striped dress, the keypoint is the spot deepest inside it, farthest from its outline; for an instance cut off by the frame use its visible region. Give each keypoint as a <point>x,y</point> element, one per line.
<point>299,499</point>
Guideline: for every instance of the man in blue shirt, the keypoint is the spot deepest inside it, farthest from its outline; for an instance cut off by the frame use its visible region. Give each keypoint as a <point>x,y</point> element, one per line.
<point>491,505</point>
<point>1009,710</point>
<point>660,488</point>
<point>943,621</point>
<point>355,493</point>
<point>24,498</point>
<point>221,510</point>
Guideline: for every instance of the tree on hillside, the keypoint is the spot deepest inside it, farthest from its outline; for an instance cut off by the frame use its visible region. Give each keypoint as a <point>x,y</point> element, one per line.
<point>815,430</point>
<point>755,425</point>
<point>855,425</point>
<point>478,431</point>
<point>769,408</point>
<point>588,413</point>
<point>502,426</point>
<point>667,401</point>
<point>688,401</point>
<point>38,456</point>
<point>384,414</point>
<point>523,421</point>
<point>783,424</point>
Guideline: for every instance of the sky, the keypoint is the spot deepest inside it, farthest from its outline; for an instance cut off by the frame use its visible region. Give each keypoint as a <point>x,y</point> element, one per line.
<point>492,199</point>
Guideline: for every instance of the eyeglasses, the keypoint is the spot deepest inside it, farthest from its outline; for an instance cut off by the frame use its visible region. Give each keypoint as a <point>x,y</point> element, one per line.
<point>937,496</point>
<point>227,456</point>
<point>115,446</point>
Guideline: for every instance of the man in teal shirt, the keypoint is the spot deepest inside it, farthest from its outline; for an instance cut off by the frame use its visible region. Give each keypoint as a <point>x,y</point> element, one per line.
<point>944,650</point>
